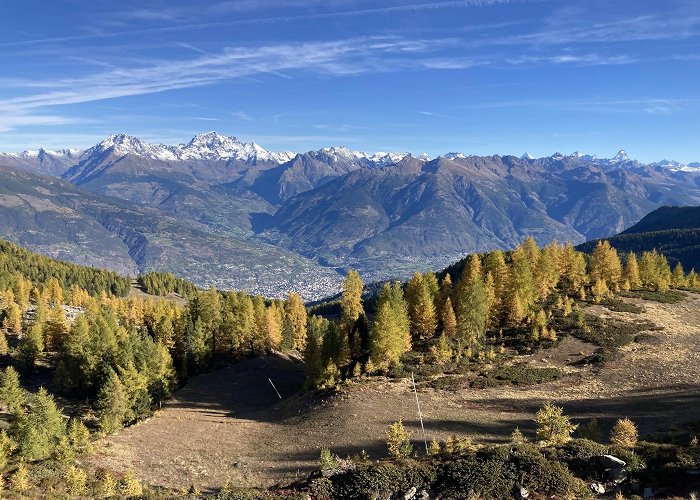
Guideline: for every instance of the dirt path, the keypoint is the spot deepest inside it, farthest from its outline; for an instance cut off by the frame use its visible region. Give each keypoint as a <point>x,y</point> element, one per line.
<point>230,424</point>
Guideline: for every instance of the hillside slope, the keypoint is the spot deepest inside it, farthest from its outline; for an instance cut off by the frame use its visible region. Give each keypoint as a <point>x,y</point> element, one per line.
<point>58,219</point>
<point>673,231</point>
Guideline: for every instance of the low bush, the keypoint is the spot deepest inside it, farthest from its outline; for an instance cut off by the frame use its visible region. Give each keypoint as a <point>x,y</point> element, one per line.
<point>618,305</point>
<point>522,374</point>
<point>383,479</point>
<point>665,297</point>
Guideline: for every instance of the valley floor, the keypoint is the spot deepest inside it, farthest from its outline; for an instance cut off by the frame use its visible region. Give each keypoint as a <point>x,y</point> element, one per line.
<point>230,424</point>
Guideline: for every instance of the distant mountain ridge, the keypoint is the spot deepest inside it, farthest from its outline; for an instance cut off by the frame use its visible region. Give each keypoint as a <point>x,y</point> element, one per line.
<point>673,231</point>
<point>386,214</point>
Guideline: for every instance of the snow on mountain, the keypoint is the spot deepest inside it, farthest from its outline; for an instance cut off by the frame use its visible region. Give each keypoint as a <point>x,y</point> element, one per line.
<point>527,156</point>
<point>620,157</point>
<point>123,144</point>
<point>61,153</point>
<point>453,156</point>
<point>213,146</point>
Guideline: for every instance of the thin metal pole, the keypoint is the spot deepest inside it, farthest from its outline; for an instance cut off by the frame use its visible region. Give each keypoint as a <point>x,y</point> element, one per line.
<point>275,388</point>
<point>420,414</point>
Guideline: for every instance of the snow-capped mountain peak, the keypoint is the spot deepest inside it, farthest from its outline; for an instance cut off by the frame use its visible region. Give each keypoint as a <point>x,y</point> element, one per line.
<point>620,157</point>
<point>124,144</point>
<point>214,146</point>
<point>527,156</point>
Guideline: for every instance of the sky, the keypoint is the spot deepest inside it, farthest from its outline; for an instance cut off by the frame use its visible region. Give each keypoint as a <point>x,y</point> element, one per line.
<point>473,76</point>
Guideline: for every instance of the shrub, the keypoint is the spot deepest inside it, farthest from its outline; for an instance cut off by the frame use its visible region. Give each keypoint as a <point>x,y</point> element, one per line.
<point>397,441</point>
<point>130,486</point>
<point>624,433</point>
<point>106,484</point>
<point>522,374</point>
<point>553,427</point>
<point>517,437</point>
<point>327,460</point>
<point>665,297</point>
<point>448,383</point>
<point>434,447</point>
<point>20,479</point>
<point>590,430</point>
<point>75,480</point>
<point>382,480</point>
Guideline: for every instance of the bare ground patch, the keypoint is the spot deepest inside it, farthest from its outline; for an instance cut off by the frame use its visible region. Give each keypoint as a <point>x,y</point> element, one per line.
<point>231,425</point>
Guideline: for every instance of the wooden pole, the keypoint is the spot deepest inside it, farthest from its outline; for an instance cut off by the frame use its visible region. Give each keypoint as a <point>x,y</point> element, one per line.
<point>275,388</point>
<point>420,414</point>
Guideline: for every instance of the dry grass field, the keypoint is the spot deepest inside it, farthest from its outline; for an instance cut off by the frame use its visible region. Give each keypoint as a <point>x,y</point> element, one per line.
<point>230,424</point>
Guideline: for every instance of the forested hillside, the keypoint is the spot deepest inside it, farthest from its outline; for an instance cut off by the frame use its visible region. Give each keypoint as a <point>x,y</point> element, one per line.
<point>673,231</point>
<point>112,360</point>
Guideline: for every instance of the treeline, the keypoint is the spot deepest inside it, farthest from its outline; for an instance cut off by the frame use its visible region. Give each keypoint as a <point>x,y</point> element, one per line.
<point>495,293</point>
<point>159,283</point>
<point>39,269</point>
<point>678,245</point>
<point>126,355</point>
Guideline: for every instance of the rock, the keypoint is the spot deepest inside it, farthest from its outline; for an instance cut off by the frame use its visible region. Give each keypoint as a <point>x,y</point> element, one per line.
<point>648,493</point>
<point>423,495</point>
<point>597,488</point>
<point>618,475</point>
<point>410,494</point>
<point>521,493</point>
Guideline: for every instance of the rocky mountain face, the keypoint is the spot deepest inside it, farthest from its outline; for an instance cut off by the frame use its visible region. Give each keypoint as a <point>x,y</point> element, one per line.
<point>386,214</point>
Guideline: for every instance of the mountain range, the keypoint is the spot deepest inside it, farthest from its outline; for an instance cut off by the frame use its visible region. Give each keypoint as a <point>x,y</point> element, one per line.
<point>220,211</point>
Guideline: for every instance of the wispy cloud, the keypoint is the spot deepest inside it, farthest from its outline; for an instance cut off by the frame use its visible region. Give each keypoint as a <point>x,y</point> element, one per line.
<point>242,115</point>
<point>343,57</point>
<point>265,20</point>
<point>651,105</point>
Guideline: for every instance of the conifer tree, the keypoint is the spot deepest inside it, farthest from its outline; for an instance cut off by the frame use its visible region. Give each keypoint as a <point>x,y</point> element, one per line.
<point>546,271</point>
<point>40,429</point>
<point>112,403</point>
<point>22,289</point>
<point>678,279</point>
<point>4,348</point>
<point>624,433</point>
<point>260,340</point>
<point>198,348</point>
<point>491,301</point>
<point>165,332</point>
<point>631,273</point>
<point>449,321</point>
<point>351,299</point>
<point>313,355</point>
<point>398,442</point>
<point>521,287</point>
<point>553,427</point>
<point>431,283</point>
<point>472,314</point>
<point>274,328</point>
<point>421,307</point>
<point>14,317</point>
<point>446,290</point>
<point>295,321</point>
<point>30,347</point>
<point>11,393</point>
<point>54,292</point>
<point>55,329</point>
<point>472,272</point>
<point>605,265</point>
<point>572,269</point>
<point>390,336</point>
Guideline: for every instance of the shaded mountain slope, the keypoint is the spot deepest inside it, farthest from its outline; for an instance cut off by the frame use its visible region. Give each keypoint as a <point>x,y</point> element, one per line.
<point>673,231</point>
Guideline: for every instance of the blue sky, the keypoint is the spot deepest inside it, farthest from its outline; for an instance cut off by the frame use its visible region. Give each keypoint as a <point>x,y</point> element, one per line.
<point>477,76</point>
